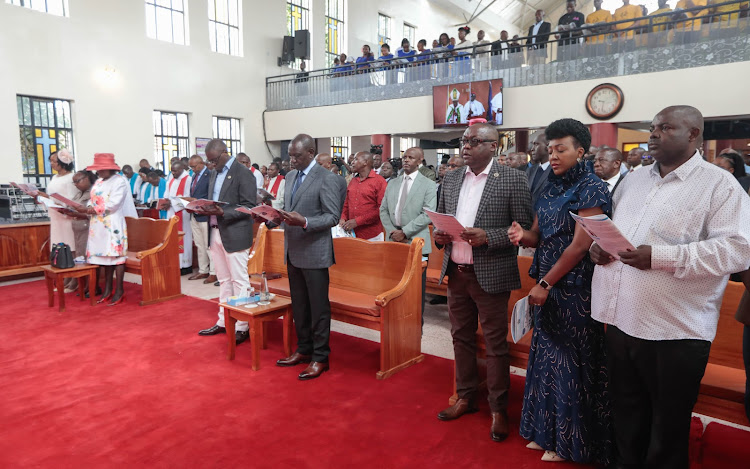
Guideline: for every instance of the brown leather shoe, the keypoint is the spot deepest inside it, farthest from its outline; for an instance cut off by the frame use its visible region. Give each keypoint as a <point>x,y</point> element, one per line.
<point>499,429</point>
<point>462,406</point>
<point>294,359</point>
<point>197,276</point>
<point>210,279</point>
<point>314,370</point>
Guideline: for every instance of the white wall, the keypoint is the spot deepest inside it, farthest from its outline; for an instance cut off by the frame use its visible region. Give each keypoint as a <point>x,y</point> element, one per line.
<point>50,56</point>
<point>534,106</point>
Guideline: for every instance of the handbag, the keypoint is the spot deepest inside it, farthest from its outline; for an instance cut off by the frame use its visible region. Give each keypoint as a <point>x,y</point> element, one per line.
<point>61,256</point>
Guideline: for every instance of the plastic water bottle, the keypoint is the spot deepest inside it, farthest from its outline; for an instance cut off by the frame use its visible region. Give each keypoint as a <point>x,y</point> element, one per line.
<point>265,296</point>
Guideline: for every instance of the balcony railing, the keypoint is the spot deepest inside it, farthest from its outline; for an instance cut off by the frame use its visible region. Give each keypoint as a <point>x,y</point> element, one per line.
<point>652,44</point>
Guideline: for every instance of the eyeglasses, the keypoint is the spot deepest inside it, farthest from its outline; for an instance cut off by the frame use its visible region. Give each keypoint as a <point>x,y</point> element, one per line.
<point>473,142</point>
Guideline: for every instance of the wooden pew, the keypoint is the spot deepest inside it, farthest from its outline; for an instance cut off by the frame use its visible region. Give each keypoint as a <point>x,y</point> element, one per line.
<point>722,391</point>
<point>24,248</point>
<point>372,285</point>
<point>434,267</point>
<point>154,254</point>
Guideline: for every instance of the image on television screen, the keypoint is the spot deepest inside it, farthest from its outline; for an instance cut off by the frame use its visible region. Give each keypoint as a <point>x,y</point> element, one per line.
<point>455,105</point>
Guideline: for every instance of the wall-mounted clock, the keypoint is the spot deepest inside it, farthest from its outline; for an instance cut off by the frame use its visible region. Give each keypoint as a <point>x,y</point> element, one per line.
<point>604,101</point>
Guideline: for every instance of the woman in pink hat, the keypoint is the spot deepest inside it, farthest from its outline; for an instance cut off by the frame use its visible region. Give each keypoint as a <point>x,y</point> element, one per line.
<point>111,201</point>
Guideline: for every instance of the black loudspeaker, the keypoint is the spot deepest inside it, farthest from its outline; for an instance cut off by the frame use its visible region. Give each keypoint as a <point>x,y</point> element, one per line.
<point>302,44</point>
<point>287,50</point>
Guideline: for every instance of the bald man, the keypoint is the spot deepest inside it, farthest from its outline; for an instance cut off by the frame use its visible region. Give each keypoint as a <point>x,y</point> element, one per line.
<point>325,160</point>
<point>361,212</point>
<point>482,269</point>
<point>690,221</point>
<point>312,206</point>
<point>607,167</point>
<point>423,168</point>
<point>635,158</point>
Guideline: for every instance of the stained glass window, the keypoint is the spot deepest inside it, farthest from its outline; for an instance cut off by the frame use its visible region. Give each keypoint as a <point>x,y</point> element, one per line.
<point>166,20</point>
<point>340,147</point>
<point>410,33</point>
<point>297,18</point>
<point>224,26</point>
<point>45,126</point>
<point>54,7</point>
<point>228,129</point>
<point>171,137</point>
<point>384,29</point>
<point>335,30</point>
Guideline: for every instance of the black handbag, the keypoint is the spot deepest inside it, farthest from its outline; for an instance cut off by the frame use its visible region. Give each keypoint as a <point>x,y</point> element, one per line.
<point>61,256</point>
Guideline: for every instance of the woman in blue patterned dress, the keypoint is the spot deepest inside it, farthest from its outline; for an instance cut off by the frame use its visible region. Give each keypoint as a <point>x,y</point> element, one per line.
<point>566,409</point>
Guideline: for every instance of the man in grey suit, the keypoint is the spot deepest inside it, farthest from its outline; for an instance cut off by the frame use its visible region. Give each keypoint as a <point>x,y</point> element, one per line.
<point>230,233</point>
<point>539,171</point>
<point>482,269</point>
<point>312,206</point>
<point>404,202</point>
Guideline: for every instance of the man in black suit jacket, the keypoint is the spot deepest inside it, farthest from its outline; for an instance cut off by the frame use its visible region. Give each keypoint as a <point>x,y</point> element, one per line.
<point>230,231</point>
<point>482,269</point>
<point>312,206</point>
<point>539,171</point>
<point>199,223</point>
<point>537,39</point>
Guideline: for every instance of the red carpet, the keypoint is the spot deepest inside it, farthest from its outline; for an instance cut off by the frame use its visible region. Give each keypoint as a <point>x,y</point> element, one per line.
<point>133,386</point>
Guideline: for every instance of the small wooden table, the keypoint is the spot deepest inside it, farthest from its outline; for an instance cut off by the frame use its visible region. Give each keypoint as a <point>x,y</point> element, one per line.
<point>257,318</point>
<point>53,275</point>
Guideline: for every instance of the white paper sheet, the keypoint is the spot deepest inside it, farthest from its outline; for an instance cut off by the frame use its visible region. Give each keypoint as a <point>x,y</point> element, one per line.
<point>604,233</point>
<point>446,223</point>
<point>521,319</point>
<point>50,203</point>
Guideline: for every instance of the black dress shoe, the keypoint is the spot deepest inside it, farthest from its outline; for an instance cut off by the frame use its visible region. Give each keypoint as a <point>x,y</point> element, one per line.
<point>186,270</point>
<point>216,284</point>
<point>439,300</point>
<point>241,336</point>
<point>213,330</point>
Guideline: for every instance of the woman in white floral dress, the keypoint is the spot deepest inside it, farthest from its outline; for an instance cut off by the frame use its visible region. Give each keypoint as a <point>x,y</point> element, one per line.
<point>111,201</point>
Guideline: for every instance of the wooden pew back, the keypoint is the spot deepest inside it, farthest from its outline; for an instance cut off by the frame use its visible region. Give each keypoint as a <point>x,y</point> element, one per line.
<point>146,233</point>
<point>368,267</point>
<point>435,261</point>
<point>726,349</point>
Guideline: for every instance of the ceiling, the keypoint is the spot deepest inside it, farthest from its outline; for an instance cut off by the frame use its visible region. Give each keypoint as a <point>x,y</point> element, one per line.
<point>499,14</point>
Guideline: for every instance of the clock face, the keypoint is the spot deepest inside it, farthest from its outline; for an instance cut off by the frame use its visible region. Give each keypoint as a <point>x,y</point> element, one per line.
<point>604,101</point>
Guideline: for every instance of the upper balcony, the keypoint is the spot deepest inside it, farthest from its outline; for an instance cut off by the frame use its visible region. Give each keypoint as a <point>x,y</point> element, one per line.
<point>656,43</point>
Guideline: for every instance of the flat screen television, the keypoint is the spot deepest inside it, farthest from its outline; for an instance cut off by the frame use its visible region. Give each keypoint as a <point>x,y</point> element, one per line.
<point>453,105</point>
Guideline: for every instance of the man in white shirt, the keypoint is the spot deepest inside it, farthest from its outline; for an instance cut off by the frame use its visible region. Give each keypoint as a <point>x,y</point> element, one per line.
<point>691,223</point>
<point>607,164</point>
<point>482,52</point>
<point>244,160</point>
<point>473,108</point>
<point>537,39</point>
<point>539,172</point>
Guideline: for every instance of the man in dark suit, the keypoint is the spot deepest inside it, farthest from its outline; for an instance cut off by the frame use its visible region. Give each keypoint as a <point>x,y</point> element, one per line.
<point>482,269</point>
<point>199,223</point>
<point>537,39</point>
<point>607,166</point>
<point>539,171</point>
<point>230,231</point>
<point>312,206</point>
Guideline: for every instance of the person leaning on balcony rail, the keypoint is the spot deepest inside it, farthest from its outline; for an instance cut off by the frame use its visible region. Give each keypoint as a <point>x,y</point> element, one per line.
<point>572,19</point>
<point>363,62</point>
<point>658,21</point>
<point>694,25</point>
<point>730,14</point>
<point>598,22</point>
<point>627,12</point>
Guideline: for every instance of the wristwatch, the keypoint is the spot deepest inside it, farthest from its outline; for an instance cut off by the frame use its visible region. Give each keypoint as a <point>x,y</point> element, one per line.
<point>543,283</point>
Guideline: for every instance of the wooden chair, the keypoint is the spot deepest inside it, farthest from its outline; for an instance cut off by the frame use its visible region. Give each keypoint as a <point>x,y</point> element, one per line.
<point>372,285</point>
<point>153,253</point>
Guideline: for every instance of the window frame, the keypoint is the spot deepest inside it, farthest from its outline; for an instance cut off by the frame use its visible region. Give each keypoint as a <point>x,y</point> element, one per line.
<point>182,141</point>
<point>384,35</point>
<point>233,48</point>
<point>339,21</point>
<point>29,4</point>
<point>43,176</point>
<point>235,125</point>
<point>172,11</point>
<point>342,144</point>
<point>411,37</point>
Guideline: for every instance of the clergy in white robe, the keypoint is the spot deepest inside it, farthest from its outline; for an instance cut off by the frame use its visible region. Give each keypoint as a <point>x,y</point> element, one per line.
<point>473,108</point>
<point>179,187</point>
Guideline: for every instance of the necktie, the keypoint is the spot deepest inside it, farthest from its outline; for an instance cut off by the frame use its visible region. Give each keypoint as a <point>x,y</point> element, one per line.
<point>401,201</point>
<point>297,182</point>
<point>195,182</point>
